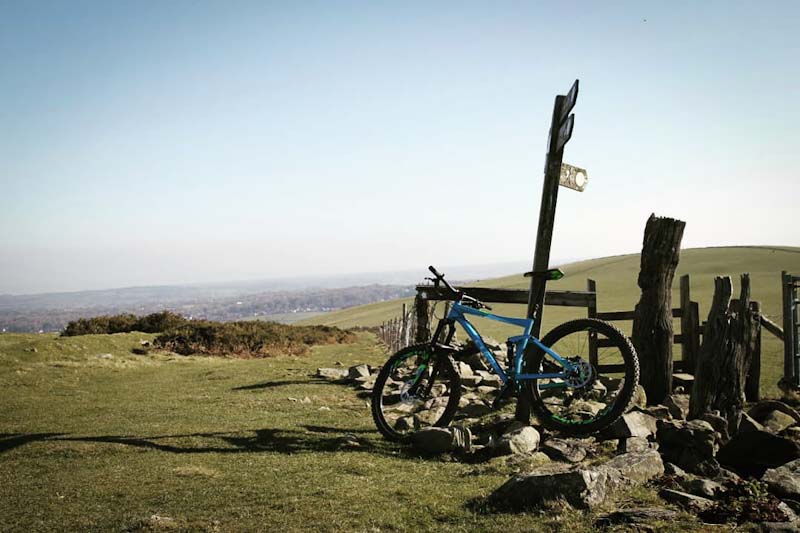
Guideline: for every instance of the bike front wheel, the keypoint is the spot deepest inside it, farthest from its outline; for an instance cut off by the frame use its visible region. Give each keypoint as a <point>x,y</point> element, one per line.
<point>601,386</point>
<point>416,388</point>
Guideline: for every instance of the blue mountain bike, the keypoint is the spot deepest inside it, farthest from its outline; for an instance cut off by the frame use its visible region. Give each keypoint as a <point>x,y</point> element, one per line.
<point>581,376</point>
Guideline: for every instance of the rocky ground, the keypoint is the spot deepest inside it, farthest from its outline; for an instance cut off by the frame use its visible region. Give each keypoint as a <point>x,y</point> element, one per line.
<point>742,471</point>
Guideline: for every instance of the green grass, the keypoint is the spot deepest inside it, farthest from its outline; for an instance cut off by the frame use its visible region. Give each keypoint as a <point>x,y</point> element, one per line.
<point>93,437</point>
<point>617,291</point>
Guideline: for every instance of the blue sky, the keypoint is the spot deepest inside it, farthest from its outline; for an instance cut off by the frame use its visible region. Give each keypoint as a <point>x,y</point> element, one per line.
<point>177,142</point>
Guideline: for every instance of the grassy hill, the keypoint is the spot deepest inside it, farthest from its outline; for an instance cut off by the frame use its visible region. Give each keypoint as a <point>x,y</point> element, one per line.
<point>94,438</point>
<point>617,291</point>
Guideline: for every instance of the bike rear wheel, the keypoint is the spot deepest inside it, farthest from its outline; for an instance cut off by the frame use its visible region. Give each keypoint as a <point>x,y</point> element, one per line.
<point>416,388</point>
<point>599,391</point>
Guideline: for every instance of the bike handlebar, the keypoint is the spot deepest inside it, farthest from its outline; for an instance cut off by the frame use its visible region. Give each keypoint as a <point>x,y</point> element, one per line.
<point>440,277</point>
<point>461,296</point>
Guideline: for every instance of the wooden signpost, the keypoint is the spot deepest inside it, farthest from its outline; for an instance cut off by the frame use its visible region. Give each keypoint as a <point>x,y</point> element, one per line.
<point>561,128</point>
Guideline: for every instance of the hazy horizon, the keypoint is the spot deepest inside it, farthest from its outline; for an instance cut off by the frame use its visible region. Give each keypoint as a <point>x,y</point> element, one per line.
<point>398,277</point>
<point>192,142</point>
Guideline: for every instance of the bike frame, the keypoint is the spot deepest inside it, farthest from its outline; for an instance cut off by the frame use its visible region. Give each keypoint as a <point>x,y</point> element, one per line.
<point>458,314</point>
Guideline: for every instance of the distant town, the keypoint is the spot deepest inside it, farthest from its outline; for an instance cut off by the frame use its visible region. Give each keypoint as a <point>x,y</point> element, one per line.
<point>51,313</point>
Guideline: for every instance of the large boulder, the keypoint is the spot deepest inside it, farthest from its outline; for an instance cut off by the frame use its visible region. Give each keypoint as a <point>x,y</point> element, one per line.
<point>567,450</point>
<point>777,421</point>
<point>784,481</point>
<point>687,443</point>
<point>518,438</point>
<point>763,409</point>
<point>358,371</point>
<point>633,424</point>
<point>435,440</point>
<point>581,486</point>
<point>754,452</point>
<point>636,467</point>
<point>332,373</point>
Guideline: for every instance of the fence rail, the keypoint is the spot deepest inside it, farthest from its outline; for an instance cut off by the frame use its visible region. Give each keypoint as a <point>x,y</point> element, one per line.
<point>413,325</point>
<point>688,338</point>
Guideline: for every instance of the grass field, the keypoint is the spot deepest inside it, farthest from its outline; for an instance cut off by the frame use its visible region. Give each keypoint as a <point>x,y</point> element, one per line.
<point>617,291</point>
<point>93,437</point>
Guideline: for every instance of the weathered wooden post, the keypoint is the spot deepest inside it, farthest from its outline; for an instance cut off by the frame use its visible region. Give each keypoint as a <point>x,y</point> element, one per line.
<point>423,324</point>
<point>728,345</point>
<point>652,319</point>
<point>561,126</point>
<point>690,327</point>
<point>404,328</point>
<point>752,386</point>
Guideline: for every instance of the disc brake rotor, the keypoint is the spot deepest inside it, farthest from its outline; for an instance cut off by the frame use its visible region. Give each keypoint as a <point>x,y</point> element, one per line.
<point>581,374</point>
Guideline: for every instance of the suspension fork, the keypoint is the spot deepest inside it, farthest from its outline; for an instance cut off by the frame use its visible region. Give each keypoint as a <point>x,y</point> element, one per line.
<point>444,324</point>
<point>435,366</point>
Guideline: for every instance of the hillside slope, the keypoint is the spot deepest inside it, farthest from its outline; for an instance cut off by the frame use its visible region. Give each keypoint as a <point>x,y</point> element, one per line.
<point>616,281</point>
<point>617,291</point>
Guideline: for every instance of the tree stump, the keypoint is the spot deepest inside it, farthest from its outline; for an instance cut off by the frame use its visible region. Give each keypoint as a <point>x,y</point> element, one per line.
<point>652,322</point>
<point>730,341</point>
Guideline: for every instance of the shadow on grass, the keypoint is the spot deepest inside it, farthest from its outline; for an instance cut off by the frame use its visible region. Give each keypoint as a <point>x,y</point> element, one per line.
<point>308,439</point>
<point>272,384</point>
<point>9,441</point>
<point>330,429</point>
<point>285,441</point>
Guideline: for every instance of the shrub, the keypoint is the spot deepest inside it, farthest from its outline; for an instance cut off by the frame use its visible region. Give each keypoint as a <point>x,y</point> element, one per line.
<point>248,338</point>
<point>125,323</point>
<point>101,324</point>
<point>185,337</point>
<point>159,322</point>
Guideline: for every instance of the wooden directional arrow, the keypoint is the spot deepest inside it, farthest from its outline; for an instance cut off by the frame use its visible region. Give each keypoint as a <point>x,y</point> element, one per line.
<point>565,133</point>
<point>567,103</point>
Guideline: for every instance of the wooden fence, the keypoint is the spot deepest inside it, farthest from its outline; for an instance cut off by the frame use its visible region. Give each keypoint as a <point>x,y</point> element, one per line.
<point>688,312</point>
<point>414,325</point>
<point>399,332</point>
